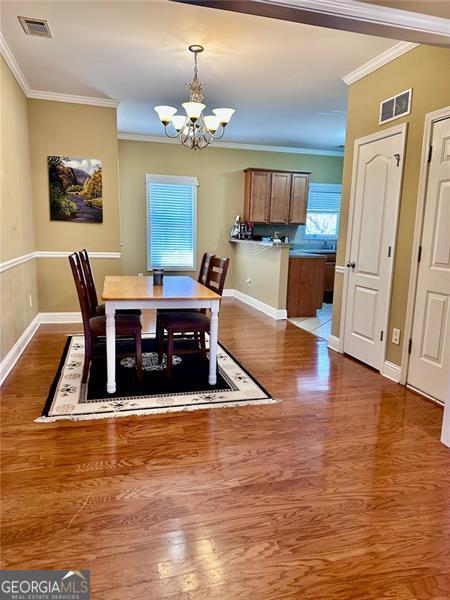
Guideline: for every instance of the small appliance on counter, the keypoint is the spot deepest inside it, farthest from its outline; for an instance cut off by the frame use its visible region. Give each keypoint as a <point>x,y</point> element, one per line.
<point>242,230</point>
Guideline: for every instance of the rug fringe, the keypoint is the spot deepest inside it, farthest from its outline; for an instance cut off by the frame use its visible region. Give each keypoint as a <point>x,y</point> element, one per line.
<point>168,409</point>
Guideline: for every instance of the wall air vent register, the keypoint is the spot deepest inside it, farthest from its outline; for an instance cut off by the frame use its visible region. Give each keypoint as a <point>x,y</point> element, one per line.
<point>395,107</point>
<point>39,27</point>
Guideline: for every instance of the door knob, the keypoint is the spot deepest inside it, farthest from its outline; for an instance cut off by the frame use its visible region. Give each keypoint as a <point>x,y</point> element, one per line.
<point>351,264</point>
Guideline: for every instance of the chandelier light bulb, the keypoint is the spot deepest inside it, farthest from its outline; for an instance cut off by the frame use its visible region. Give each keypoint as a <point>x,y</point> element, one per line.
<point>224,114</point>
<point>178,121</point>
<point>193,109</point>
<point>212,123</point>
<point>165,113</point>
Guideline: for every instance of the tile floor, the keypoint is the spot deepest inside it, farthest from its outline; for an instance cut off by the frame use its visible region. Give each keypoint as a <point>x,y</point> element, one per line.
<point>319,325</point>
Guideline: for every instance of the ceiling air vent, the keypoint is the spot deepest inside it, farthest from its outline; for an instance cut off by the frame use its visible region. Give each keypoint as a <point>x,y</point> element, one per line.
<point>39,27</point>
<point>395,107</point>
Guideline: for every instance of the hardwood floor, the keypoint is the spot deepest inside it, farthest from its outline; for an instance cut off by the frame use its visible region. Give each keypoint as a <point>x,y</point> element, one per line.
<point>340,491</point>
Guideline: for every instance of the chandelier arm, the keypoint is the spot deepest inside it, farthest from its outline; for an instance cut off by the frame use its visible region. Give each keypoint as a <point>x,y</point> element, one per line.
<point>169,135</point>
<point>217,137</point>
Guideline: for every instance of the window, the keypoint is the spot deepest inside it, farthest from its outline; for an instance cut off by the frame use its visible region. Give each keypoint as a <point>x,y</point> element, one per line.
<point>171,222</point>
<point>324,205</point>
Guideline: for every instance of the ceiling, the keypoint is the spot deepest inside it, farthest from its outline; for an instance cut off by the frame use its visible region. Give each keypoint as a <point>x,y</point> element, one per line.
<point>283,78</point>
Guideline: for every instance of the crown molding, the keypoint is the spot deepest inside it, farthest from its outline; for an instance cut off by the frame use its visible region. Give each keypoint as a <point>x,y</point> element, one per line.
<point>72,99</point>
<point>14,67</point>
<point>137,137</point>
<point>43,95</point>
<point>379,61</point>
<point>373,13</point>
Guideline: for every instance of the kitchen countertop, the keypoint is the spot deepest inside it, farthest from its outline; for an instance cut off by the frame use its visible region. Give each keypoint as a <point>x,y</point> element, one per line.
<point>261,243</point>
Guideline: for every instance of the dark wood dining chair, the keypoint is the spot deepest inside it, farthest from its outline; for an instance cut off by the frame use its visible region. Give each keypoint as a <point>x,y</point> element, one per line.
<point>91,289</point>
<point>179,323</point>
<point>127,326</point>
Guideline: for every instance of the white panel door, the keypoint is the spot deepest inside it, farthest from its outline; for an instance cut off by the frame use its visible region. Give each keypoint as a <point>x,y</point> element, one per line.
<point>429,365</point>
<point>375,200</point>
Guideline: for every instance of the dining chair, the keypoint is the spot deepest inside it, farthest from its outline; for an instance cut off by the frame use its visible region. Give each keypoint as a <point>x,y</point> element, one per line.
<point>198,323</point>
<point>202,274</point>
<point>91,290</point>
<point>127,326</point>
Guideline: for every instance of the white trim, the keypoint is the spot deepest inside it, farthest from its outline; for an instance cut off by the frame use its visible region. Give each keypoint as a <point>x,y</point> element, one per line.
<point>401,129</point>
<point>73,99</point>
<point>430,118</point>
<point>14,262</point>
<point>65,253</point>
<point>371,13</point>
<point>175,179</point>
<point>228,293</point>
<point>14,354</point>
<point>60,317</point>
<point>276,313</point>
<point>334,343</point>
<point>425,395</point>
<point>391,371</point>
<point>137,137</point>
<point>379,61</point>
<point>18,260</point>
<point>339,269</point>
<point>13,65</point>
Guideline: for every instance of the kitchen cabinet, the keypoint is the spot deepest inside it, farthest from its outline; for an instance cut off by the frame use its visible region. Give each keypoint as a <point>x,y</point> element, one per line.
<point>305,285</point>
<point>274,196</point>
<point>328,277</point>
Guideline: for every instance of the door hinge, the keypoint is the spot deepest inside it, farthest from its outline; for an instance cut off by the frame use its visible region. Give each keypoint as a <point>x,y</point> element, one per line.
<point>389,251</point>
<point>381,335</point>
<point>419,255</point>
<point>430,152</point>
<point>397,158</point>
<point>409,345</point>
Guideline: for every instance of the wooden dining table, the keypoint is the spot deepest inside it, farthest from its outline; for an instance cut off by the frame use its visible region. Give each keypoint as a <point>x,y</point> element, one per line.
<point>121,292</point>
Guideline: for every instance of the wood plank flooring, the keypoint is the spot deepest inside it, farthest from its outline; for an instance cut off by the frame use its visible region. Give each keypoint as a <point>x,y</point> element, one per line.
<point>340,491</point>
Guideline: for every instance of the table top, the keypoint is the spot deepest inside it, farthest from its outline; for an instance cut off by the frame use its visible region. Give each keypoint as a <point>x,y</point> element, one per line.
<point>175,287</point>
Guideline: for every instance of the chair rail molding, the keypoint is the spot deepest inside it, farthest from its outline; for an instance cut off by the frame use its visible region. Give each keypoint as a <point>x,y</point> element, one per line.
<point>339,269</point>
<point>18,260</point>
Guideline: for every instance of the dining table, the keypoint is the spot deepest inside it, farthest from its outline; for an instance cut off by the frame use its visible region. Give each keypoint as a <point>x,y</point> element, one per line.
<point>176,292</point>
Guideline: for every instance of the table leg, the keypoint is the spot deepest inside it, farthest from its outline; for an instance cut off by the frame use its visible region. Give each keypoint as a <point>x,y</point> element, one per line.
<point>110,348</point>
<point>213,335</point>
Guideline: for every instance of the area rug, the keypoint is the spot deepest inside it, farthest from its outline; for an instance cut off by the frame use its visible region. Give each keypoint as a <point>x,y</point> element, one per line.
<point>186,390</point>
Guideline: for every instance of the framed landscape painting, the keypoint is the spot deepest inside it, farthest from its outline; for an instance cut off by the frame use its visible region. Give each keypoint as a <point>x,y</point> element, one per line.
<point>75,188</point>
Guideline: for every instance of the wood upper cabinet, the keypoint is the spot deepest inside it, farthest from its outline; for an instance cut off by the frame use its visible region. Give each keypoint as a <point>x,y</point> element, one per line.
<point>280,197</point>
<point>299,198</point>
<point>273,196</point>
<point>257,196</point>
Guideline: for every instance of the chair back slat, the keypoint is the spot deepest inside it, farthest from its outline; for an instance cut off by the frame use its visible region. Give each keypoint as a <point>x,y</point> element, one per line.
<point>217,274</point>
<point>204,267</point>
<point>89,279</point>
<point>83,297</point>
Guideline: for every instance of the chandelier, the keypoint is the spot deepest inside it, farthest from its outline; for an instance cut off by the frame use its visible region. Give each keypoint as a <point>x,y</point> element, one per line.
<point>195,131</point>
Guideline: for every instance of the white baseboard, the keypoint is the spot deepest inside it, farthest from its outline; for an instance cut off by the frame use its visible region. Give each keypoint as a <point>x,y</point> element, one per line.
<point>14,354</point>
<point>228,293</point>
<point>334,343</point>
<point>275,313</point>
<point>391,371</point>
<point>60,317</point>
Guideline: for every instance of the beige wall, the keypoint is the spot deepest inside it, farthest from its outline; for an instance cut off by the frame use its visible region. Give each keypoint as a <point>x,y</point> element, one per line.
<point>426,70</point>
<point>220,193</point>
<point>65,129</point>
<point>16,220</point>
<point>267,269</point>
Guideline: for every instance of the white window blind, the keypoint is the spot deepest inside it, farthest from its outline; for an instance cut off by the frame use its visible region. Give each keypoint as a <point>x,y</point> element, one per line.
<point>171,222</point>
<point>324,206</point>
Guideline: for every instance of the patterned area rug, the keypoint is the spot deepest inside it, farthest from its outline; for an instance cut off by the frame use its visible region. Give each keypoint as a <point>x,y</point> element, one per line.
<point>187,389</point>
